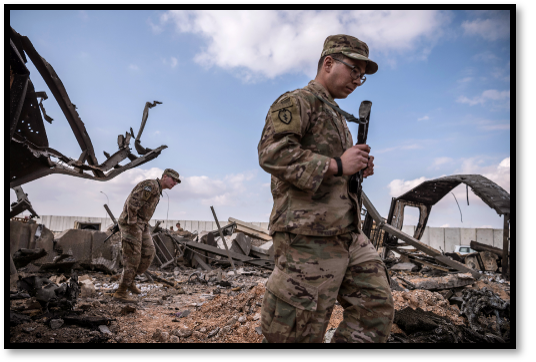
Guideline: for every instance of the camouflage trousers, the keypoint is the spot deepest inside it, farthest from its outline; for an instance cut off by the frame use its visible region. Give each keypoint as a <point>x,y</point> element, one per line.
<point>138,250</point>
<point>313,272</point>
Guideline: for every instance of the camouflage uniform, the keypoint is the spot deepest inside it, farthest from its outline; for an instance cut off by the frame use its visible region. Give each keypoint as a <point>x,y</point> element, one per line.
<point>321,255</point>
<point>138,247</point>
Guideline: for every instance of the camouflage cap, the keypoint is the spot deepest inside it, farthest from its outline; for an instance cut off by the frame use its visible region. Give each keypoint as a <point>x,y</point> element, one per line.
<point>351,47</point>
<point>173,174</point>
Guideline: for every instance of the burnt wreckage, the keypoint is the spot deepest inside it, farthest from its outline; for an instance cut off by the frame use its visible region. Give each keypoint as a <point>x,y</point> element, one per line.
<point>30,156</point>
<point>386,232</point>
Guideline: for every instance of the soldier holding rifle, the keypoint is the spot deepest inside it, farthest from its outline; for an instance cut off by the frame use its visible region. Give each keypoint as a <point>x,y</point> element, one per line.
<point>321,254</point>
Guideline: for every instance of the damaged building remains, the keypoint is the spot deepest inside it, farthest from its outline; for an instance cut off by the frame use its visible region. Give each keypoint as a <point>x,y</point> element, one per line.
<point>207,286</point>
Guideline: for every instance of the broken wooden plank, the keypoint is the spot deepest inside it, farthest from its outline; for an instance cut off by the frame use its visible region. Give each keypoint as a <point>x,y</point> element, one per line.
<point>241,244</point>
<point>431,265</point>
<point>156,277</point>
<point>220,252</point>
<point>419,259</point>
<point>263,251</point>
<point>484,247</point>
<point>440,283</point>
<point>458,266</point>
<point>202,263</point>
<point>251,230</point>
<point>223,240</point>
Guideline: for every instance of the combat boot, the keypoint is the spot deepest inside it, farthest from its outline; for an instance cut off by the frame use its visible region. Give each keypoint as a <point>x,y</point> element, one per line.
<point>122,295</point>
<point>134,289</point>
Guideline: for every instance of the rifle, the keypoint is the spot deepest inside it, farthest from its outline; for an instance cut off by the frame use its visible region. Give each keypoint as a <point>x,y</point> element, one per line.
<point>356,180</point>
<point>115,229</point>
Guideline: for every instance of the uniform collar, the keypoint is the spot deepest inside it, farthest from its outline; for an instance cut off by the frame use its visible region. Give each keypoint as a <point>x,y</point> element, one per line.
<point>320,90</point>
<point>159,186</point>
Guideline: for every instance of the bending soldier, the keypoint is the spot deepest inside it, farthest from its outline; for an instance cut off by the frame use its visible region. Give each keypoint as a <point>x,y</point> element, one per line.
<point>321,255</point>
<point>137,244</point>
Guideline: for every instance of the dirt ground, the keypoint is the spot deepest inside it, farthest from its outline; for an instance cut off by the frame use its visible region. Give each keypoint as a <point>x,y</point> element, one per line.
<point>196,311</point>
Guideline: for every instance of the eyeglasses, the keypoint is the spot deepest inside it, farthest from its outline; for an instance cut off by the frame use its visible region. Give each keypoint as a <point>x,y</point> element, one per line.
<point>355,73</point>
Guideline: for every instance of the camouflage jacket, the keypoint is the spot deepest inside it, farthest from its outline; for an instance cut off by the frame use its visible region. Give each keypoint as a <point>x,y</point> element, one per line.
<point>141,202</point>
<point>300,136</point>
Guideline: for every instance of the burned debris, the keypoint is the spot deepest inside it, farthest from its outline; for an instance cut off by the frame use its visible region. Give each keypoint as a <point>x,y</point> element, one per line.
<point>473,288</point>
<point>30,156</point>
<point>190,271</point>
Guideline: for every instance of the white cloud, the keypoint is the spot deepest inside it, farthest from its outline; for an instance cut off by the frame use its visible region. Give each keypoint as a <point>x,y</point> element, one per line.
<point>486,56</point>
<point>495,27</point>
<point>156,28</point>
<point>267,44</point>
<point>66,195</point>
<point>487,95</point>
<point>412,146</point>
<point>133,67</point>
<point>397,187</point>
<point>172,62</point>
<point>441,161</point>
<point>488,125</point>
<point>465,80</point>
<point>501,73</point>
<point>425,118</point>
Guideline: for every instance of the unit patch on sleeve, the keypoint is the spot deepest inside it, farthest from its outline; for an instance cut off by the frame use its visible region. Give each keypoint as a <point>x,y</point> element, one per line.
<point>147,192</point>
<point>285,116</point>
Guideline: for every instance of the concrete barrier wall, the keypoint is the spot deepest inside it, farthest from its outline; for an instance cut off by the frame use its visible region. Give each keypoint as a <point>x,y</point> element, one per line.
<point>61,223</point>
<point>447,238</point>
<point>439,238</point>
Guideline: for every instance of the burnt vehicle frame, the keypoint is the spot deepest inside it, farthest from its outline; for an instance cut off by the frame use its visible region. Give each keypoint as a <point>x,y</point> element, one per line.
<point>423,197</point>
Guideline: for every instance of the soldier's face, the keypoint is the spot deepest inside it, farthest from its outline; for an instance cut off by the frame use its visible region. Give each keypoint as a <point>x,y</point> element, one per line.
<point>168,182</point>
<point>341,83</point>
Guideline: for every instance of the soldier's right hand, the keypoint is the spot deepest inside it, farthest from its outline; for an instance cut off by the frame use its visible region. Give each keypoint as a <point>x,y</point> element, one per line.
<point>355,159</point>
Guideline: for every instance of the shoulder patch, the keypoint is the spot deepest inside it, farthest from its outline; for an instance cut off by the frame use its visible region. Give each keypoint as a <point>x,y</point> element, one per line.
<point>148,188</point>
<point>285,116</point>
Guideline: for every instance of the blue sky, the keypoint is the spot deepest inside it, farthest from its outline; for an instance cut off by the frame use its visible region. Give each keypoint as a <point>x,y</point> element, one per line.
<point>441,101</point>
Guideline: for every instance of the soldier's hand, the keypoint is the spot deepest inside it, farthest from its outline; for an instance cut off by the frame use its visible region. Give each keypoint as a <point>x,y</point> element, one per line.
<point>370,168</point>
<point>355,159</point>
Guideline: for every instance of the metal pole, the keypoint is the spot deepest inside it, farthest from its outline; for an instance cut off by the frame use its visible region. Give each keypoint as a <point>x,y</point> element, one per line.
<point>167,215</point>
<point>223,240</point>
<point>506,232</point>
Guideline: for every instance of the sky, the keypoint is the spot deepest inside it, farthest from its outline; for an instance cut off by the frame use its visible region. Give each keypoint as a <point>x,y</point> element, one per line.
<point>441,102</point>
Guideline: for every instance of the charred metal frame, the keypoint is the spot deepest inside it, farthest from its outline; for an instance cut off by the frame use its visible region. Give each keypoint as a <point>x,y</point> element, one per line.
<point>30,156</point>
<point>423,197</point>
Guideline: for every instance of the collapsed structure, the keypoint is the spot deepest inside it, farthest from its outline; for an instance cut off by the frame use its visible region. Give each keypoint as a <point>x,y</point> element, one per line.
<point>30,156</point>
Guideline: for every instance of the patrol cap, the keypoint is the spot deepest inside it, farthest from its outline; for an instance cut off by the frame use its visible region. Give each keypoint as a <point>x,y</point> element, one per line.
<point>173,174</point>
<point>351,47</point>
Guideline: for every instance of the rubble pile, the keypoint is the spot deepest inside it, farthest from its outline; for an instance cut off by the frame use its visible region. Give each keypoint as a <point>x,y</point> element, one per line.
<point>191,293</point>
<point>438,306</point>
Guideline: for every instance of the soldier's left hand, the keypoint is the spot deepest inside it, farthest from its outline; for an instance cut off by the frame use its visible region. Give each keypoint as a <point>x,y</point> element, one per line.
<point>370,168</point>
